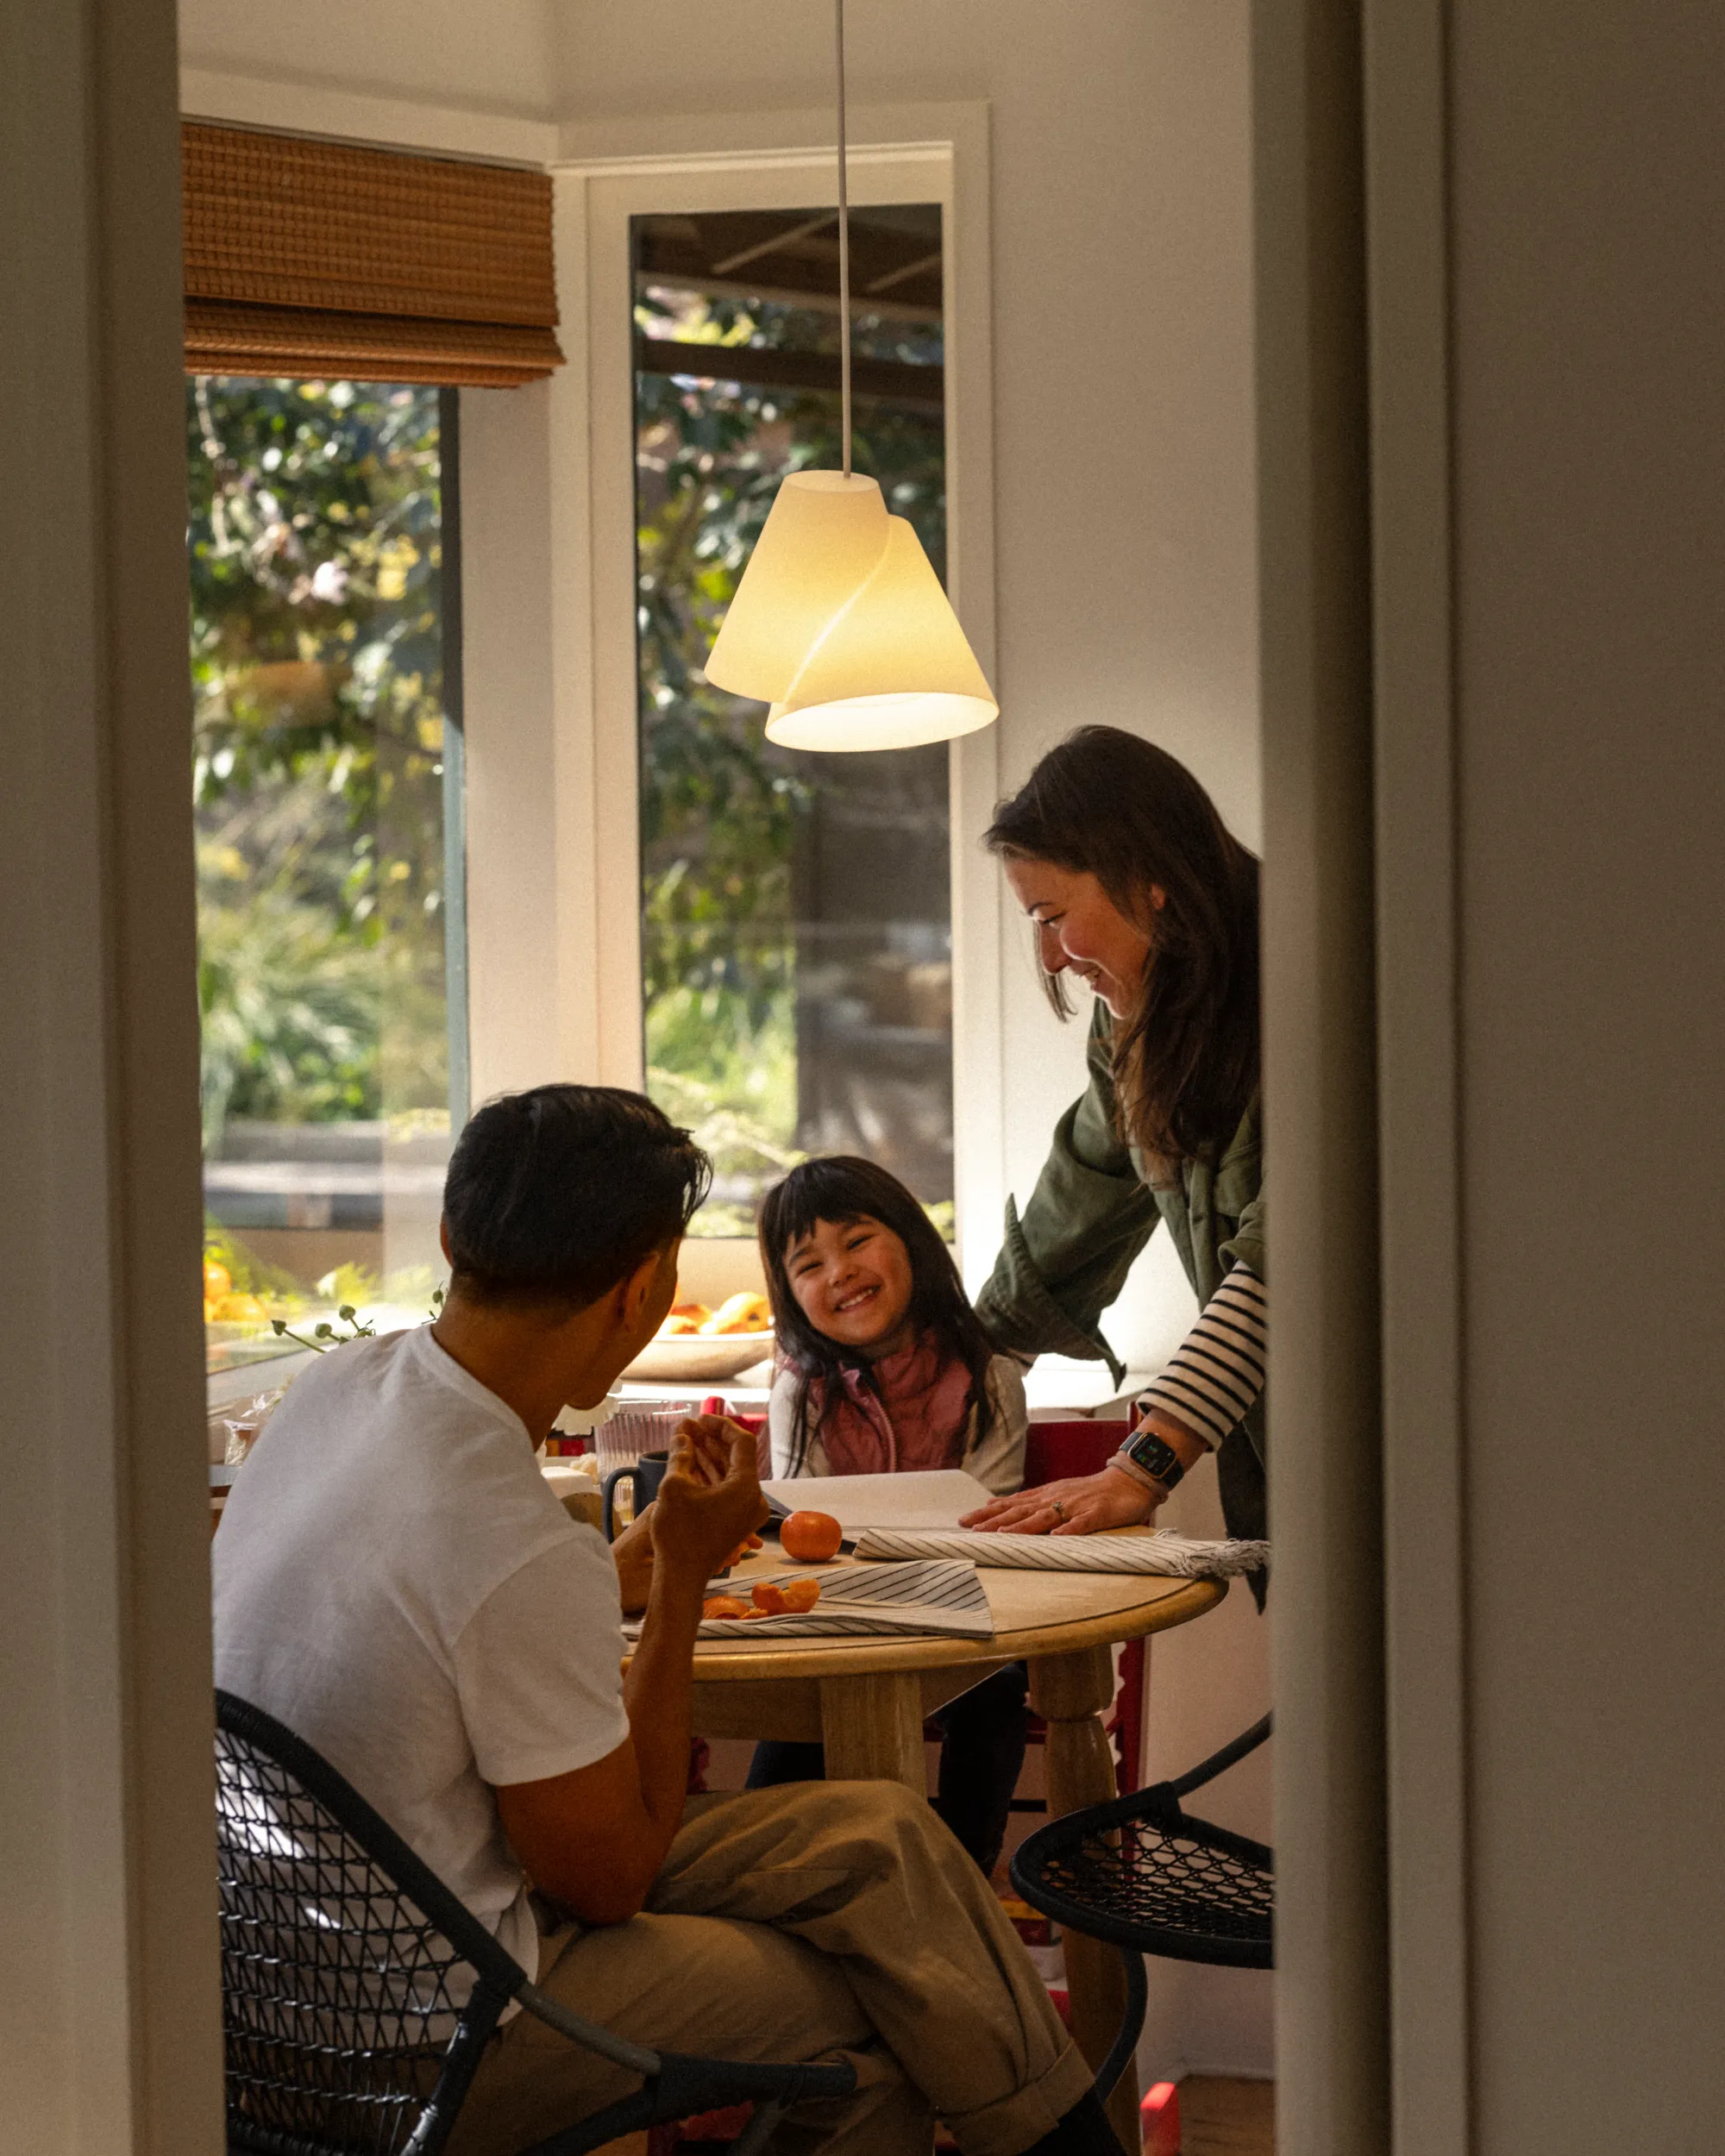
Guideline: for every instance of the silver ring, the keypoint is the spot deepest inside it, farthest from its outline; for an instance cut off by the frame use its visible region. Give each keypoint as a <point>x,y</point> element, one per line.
<point>1059,1510</point>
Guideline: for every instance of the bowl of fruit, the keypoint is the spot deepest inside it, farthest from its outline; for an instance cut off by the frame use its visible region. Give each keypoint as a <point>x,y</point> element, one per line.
<point>698,1345</point>
<point>235,1311</point>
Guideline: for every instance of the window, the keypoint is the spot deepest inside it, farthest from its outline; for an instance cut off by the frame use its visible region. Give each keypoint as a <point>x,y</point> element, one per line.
<point>327,781</point>
<point>796,922</point>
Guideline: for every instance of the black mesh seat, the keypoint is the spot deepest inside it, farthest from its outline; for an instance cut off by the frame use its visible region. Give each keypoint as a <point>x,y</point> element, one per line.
<point>358,1993</point>
<point>1142,1873</point>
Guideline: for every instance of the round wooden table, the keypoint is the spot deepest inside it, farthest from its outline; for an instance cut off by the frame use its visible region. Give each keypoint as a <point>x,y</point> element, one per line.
<point>865,1700</point>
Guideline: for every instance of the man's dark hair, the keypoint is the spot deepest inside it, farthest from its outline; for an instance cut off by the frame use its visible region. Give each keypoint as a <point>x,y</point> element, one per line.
<point>556,1195</point>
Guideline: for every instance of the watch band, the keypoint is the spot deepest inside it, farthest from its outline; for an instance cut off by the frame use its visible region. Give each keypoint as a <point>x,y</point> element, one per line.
<point>1155,1456</point>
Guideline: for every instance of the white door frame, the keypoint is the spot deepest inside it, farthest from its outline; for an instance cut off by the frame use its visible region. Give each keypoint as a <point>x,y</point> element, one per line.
<point>1419,1070</point>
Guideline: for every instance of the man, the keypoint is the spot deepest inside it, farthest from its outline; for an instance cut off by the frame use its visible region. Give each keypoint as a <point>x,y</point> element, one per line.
<point>395,1581</point>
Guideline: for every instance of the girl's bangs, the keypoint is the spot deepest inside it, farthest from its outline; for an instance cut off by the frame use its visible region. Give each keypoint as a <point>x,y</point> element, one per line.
<point>818,1190</point>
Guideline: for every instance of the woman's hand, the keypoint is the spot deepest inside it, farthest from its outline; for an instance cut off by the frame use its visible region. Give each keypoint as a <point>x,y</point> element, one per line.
<point>1080,1506</point>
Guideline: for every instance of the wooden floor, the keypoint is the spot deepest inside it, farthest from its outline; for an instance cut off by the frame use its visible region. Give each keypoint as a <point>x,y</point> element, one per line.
<point>1226,2118</point>
<point>1217,2118</point>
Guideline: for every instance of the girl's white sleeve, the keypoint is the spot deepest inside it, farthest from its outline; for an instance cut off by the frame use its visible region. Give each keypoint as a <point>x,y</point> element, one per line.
<point>998,1463</point>
<point>782,1403</point>
<point>782,1408</point>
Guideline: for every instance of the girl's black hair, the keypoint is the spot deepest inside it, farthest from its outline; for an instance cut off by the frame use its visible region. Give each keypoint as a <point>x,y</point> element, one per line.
<point>841,1189</point>
<point>1119,808</point>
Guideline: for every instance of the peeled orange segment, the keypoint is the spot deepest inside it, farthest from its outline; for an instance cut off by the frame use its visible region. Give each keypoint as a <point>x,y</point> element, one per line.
<point>801,1595</point>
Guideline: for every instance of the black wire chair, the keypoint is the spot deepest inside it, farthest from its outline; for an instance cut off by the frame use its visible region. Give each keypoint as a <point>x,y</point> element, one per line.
<point>1142,1873</point>
<point>358,1993</point>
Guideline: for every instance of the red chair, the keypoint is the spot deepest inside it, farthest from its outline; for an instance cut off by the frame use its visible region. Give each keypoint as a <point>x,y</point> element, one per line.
<point>1054,1450</point>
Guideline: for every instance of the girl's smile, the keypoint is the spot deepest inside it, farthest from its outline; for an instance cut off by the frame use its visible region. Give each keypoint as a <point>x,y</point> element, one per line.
<point>852,1282</point>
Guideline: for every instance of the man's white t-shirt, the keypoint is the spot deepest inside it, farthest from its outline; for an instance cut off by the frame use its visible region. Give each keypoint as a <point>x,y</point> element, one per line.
<point>395,1581</point>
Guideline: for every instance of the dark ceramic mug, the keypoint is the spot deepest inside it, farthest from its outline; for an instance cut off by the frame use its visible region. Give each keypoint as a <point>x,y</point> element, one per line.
<point>643,1479</point>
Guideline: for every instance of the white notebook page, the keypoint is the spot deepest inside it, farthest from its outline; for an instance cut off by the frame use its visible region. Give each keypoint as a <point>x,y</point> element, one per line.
<point>937,1498</point>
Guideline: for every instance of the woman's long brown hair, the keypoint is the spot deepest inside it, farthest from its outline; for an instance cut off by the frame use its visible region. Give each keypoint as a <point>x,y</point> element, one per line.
<point>1108,804</point>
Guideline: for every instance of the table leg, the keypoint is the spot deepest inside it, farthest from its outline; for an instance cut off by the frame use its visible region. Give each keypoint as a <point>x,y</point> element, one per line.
<point>872,1728</point>
<point>1070,1691</point>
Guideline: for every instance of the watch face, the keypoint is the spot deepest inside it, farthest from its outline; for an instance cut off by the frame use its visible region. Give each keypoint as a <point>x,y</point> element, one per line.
<point>1157,1458</point>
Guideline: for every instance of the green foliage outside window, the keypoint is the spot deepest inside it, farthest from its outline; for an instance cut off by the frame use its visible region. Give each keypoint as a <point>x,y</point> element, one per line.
<point>719,804</point>
<point>317,706</point>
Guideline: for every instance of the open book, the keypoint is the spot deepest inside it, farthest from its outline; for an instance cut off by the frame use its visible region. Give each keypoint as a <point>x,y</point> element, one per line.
<point>937,1498</point>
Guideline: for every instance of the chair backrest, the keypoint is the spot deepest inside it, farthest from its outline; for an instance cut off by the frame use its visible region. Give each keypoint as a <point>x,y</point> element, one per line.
<point>1082,1446</point>
<point>357,1991</point>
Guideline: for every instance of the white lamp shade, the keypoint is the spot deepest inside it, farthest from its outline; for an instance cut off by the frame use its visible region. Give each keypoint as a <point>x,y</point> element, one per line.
<point>822,537</point>
<point>891,669</point>
<point>905,721</point>
<point>840,625</point>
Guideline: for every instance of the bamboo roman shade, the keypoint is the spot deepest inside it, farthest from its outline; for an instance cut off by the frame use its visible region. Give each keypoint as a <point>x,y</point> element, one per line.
<point>310,258</point>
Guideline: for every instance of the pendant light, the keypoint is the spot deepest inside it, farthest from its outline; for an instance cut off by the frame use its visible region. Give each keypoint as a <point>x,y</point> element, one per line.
<point>840,624</point>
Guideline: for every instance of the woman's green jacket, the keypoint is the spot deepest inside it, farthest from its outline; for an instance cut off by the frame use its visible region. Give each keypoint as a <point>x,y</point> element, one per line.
<point>1093,1210</point>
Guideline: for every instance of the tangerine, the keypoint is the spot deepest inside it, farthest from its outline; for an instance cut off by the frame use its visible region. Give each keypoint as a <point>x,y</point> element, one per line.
<point>809,1537</point>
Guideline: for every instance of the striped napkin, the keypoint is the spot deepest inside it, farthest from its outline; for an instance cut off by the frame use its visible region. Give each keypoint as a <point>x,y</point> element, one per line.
<point>886,1601</point>
<point>1157,1551</point>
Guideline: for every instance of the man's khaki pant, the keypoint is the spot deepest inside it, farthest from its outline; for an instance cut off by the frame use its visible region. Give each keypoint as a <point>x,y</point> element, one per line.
<point>819,1921</point>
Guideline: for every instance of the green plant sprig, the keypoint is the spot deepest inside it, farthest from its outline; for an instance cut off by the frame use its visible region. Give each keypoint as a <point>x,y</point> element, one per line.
<point>325,1336</point>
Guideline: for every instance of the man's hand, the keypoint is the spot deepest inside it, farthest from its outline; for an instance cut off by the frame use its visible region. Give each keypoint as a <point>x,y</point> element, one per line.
<point>1079,1506</point>
<point>632,1555</point>
<point>710,1503</point>
<point>709,1438</point>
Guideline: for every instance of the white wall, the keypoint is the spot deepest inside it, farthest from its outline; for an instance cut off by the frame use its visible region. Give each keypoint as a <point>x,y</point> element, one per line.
<point>1548,372</point>
<point>512,766</point>
<point>109,2000</point>
<point>497,55</point>
<point>1588,217</point>
<point>1205,1683</point>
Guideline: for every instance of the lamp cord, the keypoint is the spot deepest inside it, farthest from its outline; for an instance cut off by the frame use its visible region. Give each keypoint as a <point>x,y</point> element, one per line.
<point>843,253</point>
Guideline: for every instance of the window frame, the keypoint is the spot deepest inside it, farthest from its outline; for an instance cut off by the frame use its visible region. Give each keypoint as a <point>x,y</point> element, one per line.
<point>227,1386</point>
<point>548,946</point>
<point>904,155</point>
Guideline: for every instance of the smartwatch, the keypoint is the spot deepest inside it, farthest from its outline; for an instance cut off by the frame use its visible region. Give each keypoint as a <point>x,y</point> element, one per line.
<point>1154,1457</point>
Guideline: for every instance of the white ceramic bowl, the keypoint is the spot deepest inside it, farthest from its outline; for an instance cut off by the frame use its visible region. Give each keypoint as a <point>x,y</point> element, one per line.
<point>693,1358</point>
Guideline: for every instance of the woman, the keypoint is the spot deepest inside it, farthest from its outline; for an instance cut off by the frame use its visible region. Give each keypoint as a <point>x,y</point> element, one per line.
<point>1136,887</point>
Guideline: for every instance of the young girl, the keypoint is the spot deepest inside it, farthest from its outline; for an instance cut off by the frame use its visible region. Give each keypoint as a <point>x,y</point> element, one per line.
<point>885,1369</point>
